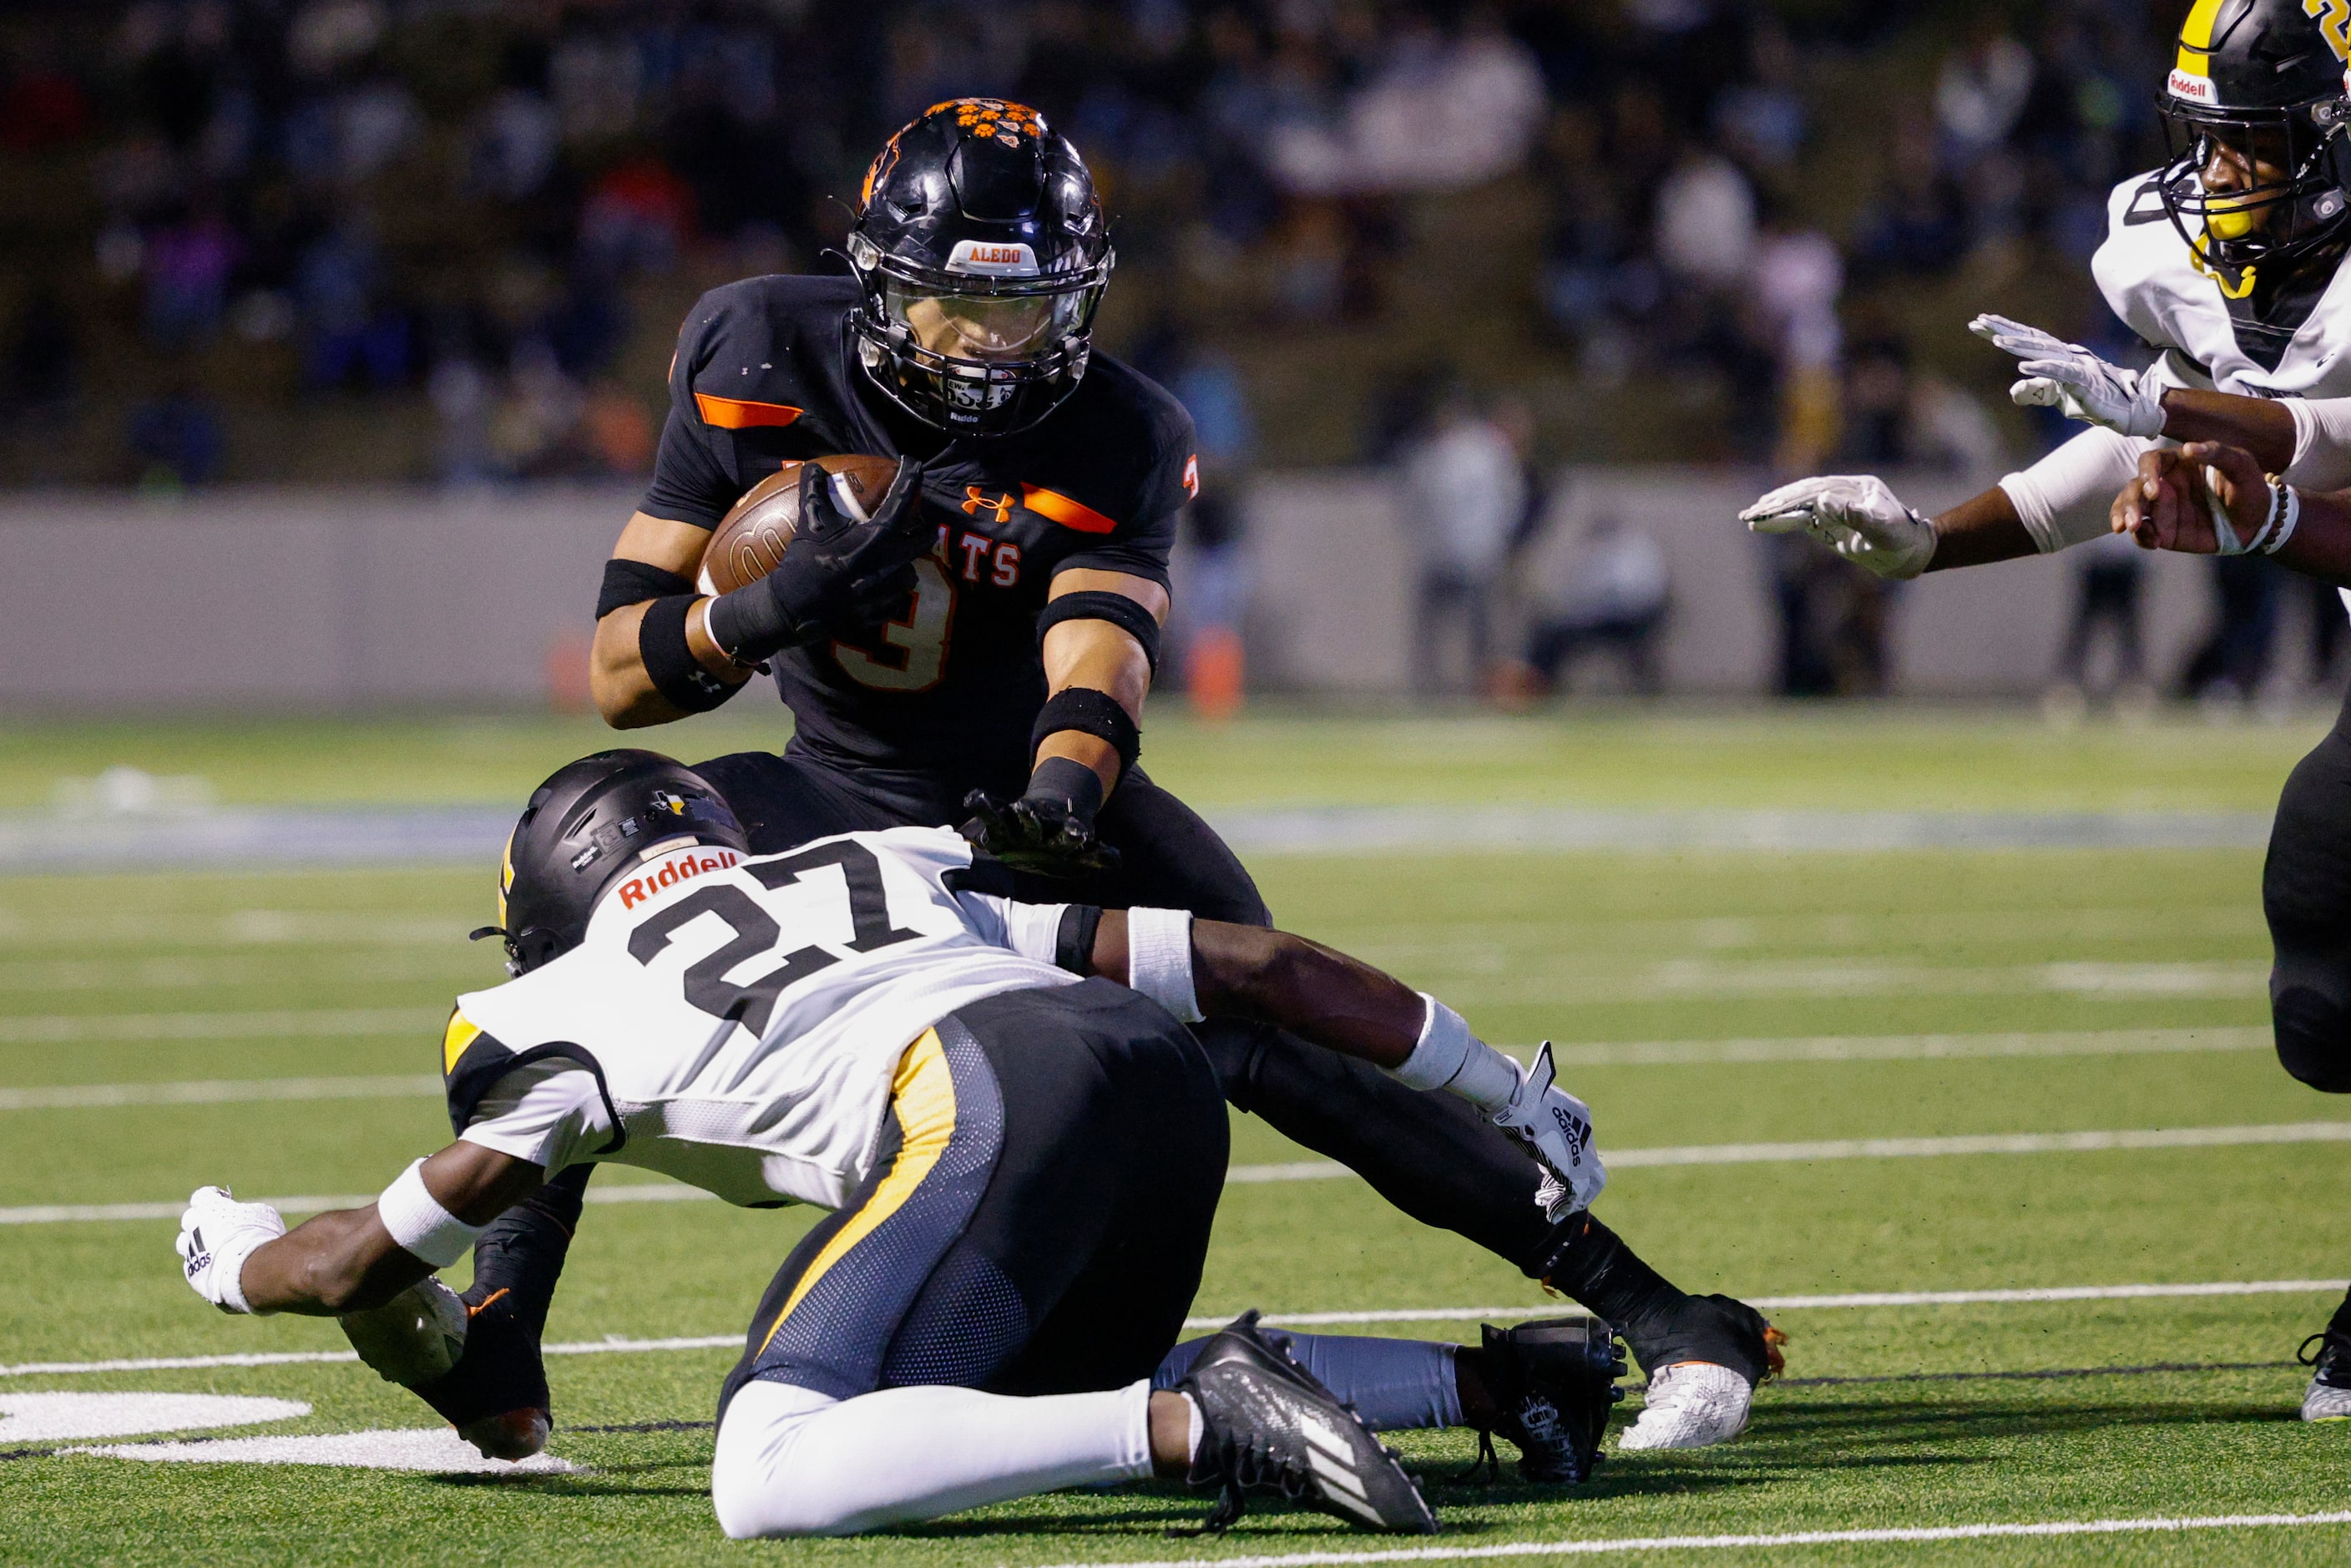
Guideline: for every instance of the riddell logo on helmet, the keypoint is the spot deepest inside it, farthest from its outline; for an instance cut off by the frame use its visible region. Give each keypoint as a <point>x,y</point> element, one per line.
<point>2194,89</point>
<point>673,868</point>
<point>992,258</point>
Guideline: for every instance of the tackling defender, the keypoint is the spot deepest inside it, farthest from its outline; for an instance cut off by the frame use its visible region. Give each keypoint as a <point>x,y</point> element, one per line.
<point>1024,548</point>
<point>1022,1164</point>
<point>2228,261</point>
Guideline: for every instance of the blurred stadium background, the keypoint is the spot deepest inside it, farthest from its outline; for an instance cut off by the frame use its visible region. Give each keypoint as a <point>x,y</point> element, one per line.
<point>332,332</point>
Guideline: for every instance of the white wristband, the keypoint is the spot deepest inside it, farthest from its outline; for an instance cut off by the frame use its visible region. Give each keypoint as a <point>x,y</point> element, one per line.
<point>1448,1057</point>
<point>418,1222</point>
<point>229,1259</point>
<point>1159,959</point>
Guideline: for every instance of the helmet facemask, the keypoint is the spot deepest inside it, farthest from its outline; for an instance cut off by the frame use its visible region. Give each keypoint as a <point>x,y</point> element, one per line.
<point>2291,162</point>
<point>974,354</point>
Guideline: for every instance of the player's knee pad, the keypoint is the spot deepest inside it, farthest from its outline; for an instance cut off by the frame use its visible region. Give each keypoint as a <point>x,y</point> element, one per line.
<point>752,1484</point>
<point>2313,1037</point>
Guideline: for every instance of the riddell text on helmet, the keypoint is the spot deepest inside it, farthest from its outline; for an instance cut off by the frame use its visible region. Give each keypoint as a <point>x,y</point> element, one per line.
<point>675,869</point>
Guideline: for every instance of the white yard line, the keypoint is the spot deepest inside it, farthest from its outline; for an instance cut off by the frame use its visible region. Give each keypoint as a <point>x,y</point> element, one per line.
<point>1830,1304</point>
<point>1620,1053</point>
<point>1908,1047</point>
<point>220,1092</point>
<point>617,1344</point>
<point>1588,1548</point>
<point>45,1029</point>
<point>1325,1170</point>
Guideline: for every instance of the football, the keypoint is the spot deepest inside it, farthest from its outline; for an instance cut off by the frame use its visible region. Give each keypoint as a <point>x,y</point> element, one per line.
<point>749,540</point>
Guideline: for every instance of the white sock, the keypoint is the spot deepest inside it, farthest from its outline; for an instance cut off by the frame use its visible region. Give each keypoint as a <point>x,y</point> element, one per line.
<point>793,1462</point>
<point>1199,1427</point>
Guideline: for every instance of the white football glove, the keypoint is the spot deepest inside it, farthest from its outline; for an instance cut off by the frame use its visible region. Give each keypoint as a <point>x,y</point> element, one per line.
<point>2067,376</point>
<point>1855,516</point>
<point>1556,1128</point>
<point>217,1234</point>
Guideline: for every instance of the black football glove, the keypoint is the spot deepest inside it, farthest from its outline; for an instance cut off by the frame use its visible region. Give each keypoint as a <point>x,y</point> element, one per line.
<point>1050,829</point>
<point>838,576</point>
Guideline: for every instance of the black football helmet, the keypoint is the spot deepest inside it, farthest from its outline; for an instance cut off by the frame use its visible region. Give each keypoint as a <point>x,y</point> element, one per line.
<point>981,254</point>
<point>2265,78</point>
<point>586,828</point>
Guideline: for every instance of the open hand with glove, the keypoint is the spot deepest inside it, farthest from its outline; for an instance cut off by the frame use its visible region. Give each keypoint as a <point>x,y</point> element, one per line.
<point>2070,378</point>
<point>1855,515</point>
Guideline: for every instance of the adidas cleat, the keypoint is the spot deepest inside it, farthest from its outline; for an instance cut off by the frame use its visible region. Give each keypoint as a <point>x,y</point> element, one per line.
<point>1553,1385</point>
<point>2328,1397</point>
<point>1270,1426</point>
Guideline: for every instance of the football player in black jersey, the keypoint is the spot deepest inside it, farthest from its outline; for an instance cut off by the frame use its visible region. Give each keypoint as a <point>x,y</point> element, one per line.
<point>979,647</point>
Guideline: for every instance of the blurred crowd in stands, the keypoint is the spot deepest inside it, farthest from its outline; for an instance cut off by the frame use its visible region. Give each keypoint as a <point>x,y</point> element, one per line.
<point>453,238</point>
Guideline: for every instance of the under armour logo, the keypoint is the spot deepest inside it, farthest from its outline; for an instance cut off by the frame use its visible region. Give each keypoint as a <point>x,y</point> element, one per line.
<point>975,501</point>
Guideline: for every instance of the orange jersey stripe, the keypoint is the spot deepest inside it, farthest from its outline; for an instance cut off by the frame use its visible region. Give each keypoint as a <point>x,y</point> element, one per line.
<point>1069,514</point>
<point>741,413</point>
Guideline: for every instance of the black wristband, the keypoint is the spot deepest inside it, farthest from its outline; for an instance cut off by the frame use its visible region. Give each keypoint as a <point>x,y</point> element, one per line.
<point>1097,605</point>
<point>1068,780</point>
<point>1089,712</point>
<point>748,624</point>
<point>1073,943</point>
<point>670,664</point>
<point>628,582</point>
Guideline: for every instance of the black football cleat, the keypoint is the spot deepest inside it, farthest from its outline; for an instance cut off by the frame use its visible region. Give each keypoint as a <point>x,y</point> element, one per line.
<point>1271,1426</point>
<point>1724,1331</point>
<point>1553,1385</point>
<point>495,1395</point>
<point>2328,1397</point>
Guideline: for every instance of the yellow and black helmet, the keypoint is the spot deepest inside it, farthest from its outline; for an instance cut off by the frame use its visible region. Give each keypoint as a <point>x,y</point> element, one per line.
<point>2263,80</point>
<point>591,823</point>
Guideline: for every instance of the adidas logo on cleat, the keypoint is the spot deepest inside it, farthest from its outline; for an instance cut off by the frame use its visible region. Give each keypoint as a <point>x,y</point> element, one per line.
<point>1268,1425</point>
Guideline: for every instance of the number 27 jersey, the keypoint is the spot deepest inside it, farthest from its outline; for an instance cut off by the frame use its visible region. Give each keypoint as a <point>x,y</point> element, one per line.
<point>739,1020</point>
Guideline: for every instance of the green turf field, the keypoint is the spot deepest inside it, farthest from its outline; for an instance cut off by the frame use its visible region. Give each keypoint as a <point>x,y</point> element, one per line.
<point>1701,1000</point>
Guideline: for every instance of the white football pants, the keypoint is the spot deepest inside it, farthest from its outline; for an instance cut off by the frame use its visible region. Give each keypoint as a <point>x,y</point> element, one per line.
<point>793,1462</point>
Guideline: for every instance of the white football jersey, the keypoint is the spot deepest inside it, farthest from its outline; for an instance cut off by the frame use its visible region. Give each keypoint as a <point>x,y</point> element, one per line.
<point>2162,292</point>
<point>2165,294</point>
<point>742,1017</point>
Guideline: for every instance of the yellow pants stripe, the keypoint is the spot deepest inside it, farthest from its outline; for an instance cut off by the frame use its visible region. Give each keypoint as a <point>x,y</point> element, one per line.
<point>922,1096</point>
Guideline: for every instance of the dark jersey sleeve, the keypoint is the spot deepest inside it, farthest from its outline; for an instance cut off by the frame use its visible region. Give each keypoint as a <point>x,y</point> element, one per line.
<point>1140,544</point>
<point>690,485</point>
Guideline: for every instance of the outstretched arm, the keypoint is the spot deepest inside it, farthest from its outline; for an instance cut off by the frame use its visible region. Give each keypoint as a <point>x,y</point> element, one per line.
<point>240,1256</point>
<point>1203,968</point>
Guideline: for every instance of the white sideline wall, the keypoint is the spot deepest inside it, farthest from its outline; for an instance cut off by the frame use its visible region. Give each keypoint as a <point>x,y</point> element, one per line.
<point>358,598</point>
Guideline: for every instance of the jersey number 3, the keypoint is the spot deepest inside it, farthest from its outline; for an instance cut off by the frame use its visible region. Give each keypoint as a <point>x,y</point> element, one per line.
<point>921,638</point>
<point>756,932</point>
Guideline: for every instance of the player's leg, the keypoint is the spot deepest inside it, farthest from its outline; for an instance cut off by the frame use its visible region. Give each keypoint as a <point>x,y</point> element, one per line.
<point>1548,1386</point>
<point>1432,1155</point>
<point>913,1356</point>
<point>2306,896</point>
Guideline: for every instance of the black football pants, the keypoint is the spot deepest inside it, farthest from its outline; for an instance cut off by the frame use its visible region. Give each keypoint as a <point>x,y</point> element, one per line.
<point>2306,896</point>
<point>1432,1155</point>
<point>1035,1219</point>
